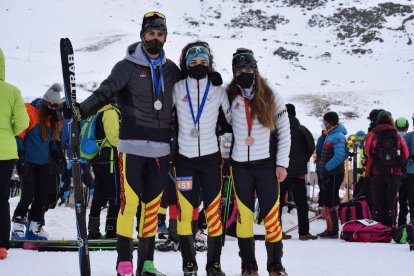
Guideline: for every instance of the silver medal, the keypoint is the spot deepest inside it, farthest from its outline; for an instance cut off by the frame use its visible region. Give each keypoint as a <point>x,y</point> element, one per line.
<point>195,133</point>
<point>158,105</point>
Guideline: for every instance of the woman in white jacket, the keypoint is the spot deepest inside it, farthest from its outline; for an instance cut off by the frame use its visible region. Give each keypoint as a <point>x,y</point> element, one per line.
<point>259,158</point>
<point>198,103</point>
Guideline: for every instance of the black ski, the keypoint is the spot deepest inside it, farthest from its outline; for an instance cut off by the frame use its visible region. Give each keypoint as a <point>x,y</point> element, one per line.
<point>68,70</point>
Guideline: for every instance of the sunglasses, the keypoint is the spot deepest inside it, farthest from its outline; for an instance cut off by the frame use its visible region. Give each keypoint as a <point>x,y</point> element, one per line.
<point>197,49</point>
<point>155,14</point>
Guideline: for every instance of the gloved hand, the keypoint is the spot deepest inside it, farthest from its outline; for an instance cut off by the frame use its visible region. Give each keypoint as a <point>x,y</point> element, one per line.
<point>68,112</point>
<point>215,78</point>
<point>21,165</point>
<point>60,160</point>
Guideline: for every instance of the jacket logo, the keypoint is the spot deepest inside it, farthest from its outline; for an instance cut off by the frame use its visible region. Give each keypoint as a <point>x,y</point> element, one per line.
<point>237,106</point>
<point>185,99</point>
<point>142,73</point>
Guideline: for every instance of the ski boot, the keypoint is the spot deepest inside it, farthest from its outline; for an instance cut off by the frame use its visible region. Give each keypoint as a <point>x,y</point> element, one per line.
<point>3,253</point>
<point>277,270</point>
<point>250,270</point>
<point>93,229</point>
<point>125,268</point>
<point>168,245</point>
<point>36,232</point>
<point>18,229</point>
<point>286,236</point>
<point>190,269</point>
<point>148,269</point>
<point>328,235</point>
<point>215,270</point>
<point>308,237</point>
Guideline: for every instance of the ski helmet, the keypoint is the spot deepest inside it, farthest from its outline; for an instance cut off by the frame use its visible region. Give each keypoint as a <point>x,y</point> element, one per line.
<point>401,123</point>
<point>360,135</point>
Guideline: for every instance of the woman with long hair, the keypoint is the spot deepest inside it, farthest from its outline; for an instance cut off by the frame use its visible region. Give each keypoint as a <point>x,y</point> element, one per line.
<point>259,159</point>
<point>198,103</point>
<point>386,149</point>
<point>35,144</point>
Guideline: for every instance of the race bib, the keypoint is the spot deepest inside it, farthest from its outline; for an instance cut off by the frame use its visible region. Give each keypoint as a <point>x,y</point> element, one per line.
<point>184,183</point>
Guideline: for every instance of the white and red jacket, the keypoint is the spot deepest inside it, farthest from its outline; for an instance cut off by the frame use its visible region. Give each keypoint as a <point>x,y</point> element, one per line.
<point>261,149</point>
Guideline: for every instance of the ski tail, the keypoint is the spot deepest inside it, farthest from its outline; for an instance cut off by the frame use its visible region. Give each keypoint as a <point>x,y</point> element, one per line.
<point>227,192</point>
<point>68,71</point>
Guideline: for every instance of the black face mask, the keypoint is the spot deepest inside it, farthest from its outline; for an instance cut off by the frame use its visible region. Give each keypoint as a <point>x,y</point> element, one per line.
<point>50,111</point>
<point>154,46</point>
<point>198,72</point>
<point>245,80</point>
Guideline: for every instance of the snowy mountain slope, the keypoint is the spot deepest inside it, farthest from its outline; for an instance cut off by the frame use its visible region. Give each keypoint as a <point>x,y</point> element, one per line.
<point>348,56</point>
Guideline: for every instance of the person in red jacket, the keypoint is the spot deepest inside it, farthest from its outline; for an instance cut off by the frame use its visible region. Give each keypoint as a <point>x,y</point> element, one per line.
<point>386,149</point>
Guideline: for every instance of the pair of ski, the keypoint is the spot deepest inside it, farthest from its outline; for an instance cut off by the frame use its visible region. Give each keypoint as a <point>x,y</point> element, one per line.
<point>69,80</point>
<point>65,245</point>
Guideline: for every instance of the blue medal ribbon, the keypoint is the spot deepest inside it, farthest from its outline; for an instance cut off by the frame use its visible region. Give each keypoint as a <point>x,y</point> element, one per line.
<point>201,107</point>
<point>157,81</point>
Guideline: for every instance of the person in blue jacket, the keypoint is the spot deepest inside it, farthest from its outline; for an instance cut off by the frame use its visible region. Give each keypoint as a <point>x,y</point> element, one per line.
<point>331,170</point>
<point>409,139</point>
<point>34,145</point>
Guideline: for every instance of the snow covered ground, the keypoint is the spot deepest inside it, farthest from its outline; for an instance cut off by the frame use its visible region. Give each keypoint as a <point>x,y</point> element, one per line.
<point>310,258</point>
<point>319,77</point>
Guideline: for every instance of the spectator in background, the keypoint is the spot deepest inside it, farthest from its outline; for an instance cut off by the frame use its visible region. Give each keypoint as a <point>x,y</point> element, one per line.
<point>301,149</point>
<point>385,149</point>
<point>13,120</point>
<point>402,127</point>
<point>35,144</point>
<point>409,139</point>
<point>331,169</point>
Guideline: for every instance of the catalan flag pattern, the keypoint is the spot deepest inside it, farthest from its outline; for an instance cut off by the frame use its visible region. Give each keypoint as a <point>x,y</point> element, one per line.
<point>149,218</point>
<point>213,218</point>
<point>272,224</point>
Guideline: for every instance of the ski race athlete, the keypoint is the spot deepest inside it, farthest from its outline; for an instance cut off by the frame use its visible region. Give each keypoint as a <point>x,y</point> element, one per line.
<point>331,170</point>
<point>34,145</point>
<point>386,149</point>
<point>301,149</point>
<point>106,171</point>
<point>13,120</point>
<point>142,83</point>
<point>259,159</point>
<point>198,103</point>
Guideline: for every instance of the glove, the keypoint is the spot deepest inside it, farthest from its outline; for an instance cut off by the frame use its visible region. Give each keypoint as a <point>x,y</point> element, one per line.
<point>68,112</point>
<point>60,160</point>
<point>21,165</point>
<point>215,78</point>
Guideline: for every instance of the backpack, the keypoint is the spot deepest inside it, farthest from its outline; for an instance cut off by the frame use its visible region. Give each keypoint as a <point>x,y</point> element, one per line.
<point>89,146</point>
<point>366,230</point>
<point>386,157</point>
<point>354,210</point>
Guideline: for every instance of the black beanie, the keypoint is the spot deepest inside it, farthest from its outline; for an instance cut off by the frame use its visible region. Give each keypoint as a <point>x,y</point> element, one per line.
<point>243,58</point>
<point>153,22</point>
<point>331,117</point>
<point>291,109</point>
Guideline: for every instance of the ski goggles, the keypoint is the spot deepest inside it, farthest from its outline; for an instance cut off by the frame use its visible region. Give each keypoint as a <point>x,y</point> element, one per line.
<point>197,51</point>
<point>244,60</point>
<point>155,14</point>
<point>51,105</point>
